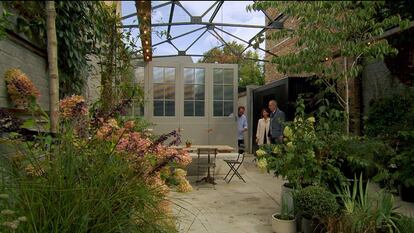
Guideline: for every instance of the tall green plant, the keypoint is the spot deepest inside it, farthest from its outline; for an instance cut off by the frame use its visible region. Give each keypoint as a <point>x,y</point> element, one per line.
<point>75,186</point>
<point>327,30</point>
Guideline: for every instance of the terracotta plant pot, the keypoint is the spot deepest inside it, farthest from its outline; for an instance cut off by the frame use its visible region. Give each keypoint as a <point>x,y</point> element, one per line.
<point>283,226</point>
<point>188,145</point>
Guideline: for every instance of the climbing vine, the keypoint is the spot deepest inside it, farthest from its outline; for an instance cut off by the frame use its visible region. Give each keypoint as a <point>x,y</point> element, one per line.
<point>82,31</point>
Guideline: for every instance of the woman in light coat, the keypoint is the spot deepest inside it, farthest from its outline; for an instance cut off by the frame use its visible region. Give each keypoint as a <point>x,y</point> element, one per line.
<point>262,133</point>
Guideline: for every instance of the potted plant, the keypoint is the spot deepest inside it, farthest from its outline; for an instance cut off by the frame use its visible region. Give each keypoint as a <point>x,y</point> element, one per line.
<point>302,157</point>
<point>284,221</point>
<point>366,213</point>
<point>316,205</point>
<point>188,143</point>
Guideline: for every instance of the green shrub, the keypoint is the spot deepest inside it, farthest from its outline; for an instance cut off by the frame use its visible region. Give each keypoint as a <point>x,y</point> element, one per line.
<point>405,224</point>
<point>387,116</point>
<point>316,202</point>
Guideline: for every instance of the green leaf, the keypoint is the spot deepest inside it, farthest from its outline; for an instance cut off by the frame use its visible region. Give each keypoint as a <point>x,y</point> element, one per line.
<point>29,123</point>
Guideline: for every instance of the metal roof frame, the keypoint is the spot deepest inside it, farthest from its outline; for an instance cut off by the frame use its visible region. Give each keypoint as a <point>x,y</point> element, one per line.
<point>144,10</point>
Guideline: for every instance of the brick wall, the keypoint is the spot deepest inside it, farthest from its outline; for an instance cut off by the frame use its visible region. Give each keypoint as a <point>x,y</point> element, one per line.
<point>279,47</point>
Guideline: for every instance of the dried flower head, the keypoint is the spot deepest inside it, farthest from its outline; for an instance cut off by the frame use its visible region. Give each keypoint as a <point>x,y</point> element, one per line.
<point>184,186</point>
<point>7,212</point>
<point>12,225</point>
<point>34,171</point>
<point>20,88</point>
<point>73,107</point>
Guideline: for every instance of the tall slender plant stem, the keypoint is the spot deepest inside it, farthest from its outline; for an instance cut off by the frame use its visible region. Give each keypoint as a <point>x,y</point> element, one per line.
<point>53,68</point>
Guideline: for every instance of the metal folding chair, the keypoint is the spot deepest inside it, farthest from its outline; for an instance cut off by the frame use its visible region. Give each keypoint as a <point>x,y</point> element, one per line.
<point>235,164</point>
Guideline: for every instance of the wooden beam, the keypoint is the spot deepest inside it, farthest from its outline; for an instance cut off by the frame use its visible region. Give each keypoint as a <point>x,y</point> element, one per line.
<point>144,24</point>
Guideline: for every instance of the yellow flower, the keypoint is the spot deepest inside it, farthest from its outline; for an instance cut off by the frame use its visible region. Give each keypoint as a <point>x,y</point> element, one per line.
<point>260,153</point>
<point>262,163</point>
<point>276,150</point>
<point>311,119</point>
<point>290,146</point>
<point>287,132</point>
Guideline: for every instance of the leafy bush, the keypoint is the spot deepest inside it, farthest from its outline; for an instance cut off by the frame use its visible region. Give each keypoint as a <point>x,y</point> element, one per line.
<point>387,116</point>
<point>316,202</point>
<point>405,224</point>
<point>303,157</point>
<point>391,119</point>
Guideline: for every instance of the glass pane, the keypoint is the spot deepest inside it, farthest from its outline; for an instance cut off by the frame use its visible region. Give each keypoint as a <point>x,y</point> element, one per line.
<point>188,92</point>
<point>158,91</point>
<point>169,108</point>
<point>169,75</point>
<point>199,92</point>
<point>199,76</point>
<point>218,108</point>
<point>188,108</point>
<point>158,108</point>
<point>199,108</point>
<point>169,91</point>
<point>139,76</point>
<point>228,92</point>
<point>218,92</point>
<point>228,76</point>
<point>188,75</point>
<point>158,74</point>
<point>228,108</point>
<point>218,76</point>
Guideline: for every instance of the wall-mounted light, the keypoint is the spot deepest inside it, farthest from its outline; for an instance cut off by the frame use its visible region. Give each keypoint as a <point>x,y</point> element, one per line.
<point>146,42</point>
<point>145,31</point>
<point>326,58</point>
<point>369,43</point>
<point>147,50</point>
<point>147,57</point>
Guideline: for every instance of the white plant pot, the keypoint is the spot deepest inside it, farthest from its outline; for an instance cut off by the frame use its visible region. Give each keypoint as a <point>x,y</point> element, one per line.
<point>283,226</point>
<point>286,193</point>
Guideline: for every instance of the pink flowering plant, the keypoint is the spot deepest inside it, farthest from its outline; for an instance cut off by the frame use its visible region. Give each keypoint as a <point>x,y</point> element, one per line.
<point>112,178</point>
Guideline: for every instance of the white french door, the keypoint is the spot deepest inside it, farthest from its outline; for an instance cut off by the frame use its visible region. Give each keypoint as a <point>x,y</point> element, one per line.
<point>197,99</point>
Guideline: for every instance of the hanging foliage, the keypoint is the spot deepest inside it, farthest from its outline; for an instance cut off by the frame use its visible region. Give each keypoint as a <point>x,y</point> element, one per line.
<point>81,29</point>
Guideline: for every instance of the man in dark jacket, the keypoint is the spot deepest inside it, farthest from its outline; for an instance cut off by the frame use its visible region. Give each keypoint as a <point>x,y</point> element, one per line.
<point>277,117</point>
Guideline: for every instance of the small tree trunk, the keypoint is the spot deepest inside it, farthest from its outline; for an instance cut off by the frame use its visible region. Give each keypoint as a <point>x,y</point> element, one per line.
<point>346,94</point>
<point>53,68</point>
